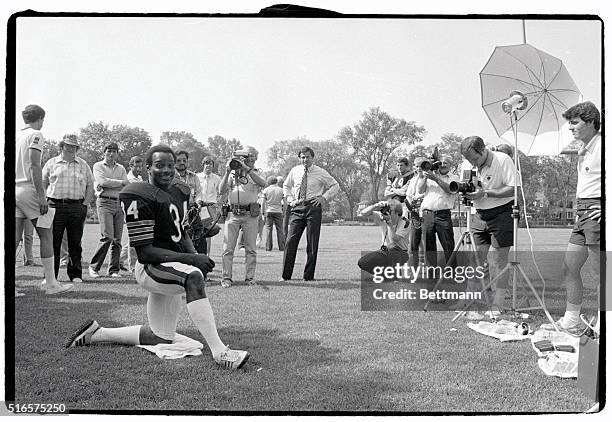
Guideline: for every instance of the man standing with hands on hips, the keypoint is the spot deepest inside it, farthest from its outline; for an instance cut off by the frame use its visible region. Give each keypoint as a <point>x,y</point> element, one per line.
<point>307,189</point>
<point>243,186</point>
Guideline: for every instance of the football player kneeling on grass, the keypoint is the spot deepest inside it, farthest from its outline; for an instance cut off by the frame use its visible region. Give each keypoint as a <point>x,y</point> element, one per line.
<point>168,266</point>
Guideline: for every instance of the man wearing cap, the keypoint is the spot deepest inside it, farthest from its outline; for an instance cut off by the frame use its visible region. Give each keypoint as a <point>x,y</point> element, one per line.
<point>243,186</point>
<point>68,181</point>
<point>436,209</point>
<point>30,200</point>
<point>109,178</point>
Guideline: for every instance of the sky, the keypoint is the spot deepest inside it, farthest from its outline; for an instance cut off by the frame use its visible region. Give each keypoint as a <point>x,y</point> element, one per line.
<point>262,80</point>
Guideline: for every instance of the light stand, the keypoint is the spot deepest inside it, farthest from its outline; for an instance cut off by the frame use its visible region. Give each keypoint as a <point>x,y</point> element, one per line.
<point>516,101</point>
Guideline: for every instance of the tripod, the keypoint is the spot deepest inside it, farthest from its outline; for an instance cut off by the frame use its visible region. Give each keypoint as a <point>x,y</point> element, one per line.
<point>467,238</point>
<point>514,266</point>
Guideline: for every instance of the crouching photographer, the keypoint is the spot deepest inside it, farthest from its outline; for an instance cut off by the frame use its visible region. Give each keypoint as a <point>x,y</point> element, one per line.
<point>492,196</point>
<point>243,182</point>
<point>395,233</point>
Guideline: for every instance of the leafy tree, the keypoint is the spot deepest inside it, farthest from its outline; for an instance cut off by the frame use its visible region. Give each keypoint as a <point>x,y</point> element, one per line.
<point>342,164</point>
<point>50,149</point>
<point>185,141</point>
<point>282,156</point>
<point>222,148</point>
<point>374,138</point>
<point>132,141</point>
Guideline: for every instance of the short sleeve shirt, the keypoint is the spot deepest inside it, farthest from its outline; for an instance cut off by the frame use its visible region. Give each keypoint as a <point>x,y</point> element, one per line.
<point>26,138</point>
<point>498,174</point>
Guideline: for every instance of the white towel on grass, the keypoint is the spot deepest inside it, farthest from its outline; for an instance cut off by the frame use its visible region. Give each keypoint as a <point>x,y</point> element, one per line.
<point>182,346</point>
<point>502,330</point>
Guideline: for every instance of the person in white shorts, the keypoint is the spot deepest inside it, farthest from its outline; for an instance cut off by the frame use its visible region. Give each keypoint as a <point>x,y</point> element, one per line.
<point>30,200</point>
<point>168,266</point>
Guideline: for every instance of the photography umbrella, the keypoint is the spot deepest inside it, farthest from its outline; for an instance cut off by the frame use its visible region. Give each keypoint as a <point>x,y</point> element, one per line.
<point>548,89</point>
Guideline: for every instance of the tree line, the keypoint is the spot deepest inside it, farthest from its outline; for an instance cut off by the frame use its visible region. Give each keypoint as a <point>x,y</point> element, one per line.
<point>360,157</point>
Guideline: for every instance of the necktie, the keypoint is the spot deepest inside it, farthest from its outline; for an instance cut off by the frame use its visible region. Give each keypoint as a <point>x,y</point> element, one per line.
<point>304,185</point>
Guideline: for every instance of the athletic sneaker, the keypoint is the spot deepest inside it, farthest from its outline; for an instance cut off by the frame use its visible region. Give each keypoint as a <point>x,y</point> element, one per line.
<point>232,359</point>
<point>93,273</point>
<point>115,275</point>
<point>576,329</point>
<point>77,280</point>
<point>82,336</point>
<point>58,288</point>
<point>226,283</point>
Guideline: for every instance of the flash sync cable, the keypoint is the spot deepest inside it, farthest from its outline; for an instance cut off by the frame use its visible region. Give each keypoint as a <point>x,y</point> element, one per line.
<point>531,242</point>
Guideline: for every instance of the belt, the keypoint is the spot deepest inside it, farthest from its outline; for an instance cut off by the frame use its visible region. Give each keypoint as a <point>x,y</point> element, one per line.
<point>108,197</point>
<point>207,204</point>
<point>241,207</point>
<point>304,202</point>
<point>436,212</point>
<point>66,201</point>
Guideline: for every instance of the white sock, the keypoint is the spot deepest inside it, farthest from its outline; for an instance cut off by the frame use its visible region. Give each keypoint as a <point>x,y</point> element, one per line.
<point>572,314</point>
<point>123,335</point>
<point>201,314</point>
<point>49,270</point>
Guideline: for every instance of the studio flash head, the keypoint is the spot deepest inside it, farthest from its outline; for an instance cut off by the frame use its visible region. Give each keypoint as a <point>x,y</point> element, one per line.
<point>516,101</point>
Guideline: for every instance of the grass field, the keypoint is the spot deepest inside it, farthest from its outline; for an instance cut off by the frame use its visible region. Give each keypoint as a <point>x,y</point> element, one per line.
<point>312,347</point>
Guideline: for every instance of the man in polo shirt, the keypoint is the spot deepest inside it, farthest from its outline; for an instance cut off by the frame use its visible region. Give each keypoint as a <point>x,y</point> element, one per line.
<point>307,188</point>
<point>69,184</point>
<point>243,186</point>
<point>492,225</point>
<point>436,208</point>
<point>209,191</point>
<point>30,199</point>
<point>584,123</point>
<point>109,178</point>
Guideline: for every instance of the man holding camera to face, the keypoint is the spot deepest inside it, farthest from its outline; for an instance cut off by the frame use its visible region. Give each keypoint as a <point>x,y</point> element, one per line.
<point>492,196</point>
<point>395,233</point>
<point>436,209</point>
<point>243,211</point>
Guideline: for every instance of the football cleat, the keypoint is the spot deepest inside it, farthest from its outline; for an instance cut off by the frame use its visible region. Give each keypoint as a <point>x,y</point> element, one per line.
<point>232,359</point>
<point>82,336</point>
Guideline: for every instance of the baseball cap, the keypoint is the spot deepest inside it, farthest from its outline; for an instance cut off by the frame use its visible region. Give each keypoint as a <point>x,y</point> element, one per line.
<point>70,140</point>
<point>112,145</point>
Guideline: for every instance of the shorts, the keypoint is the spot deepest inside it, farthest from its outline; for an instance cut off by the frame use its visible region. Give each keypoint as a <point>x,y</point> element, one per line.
<point>26,201</point>
<point>166,286</point>
<point>585,231</point>
<point>494,226</point>
<point>166,279</point>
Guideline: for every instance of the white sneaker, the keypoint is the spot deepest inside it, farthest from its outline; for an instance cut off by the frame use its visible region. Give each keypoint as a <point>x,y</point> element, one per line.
<point>232,359</point>
<point>58,288</point>
<point>77,280</point>
<point>82,335</point>
<point>115,275</point>
<point>93,273</point>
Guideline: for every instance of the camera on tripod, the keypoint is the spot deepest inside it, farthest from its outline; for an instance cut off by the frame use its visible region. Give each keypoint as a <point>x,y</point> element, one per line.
<point>237,159</point>
<point>432,163</point>
<point>468,184</point>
